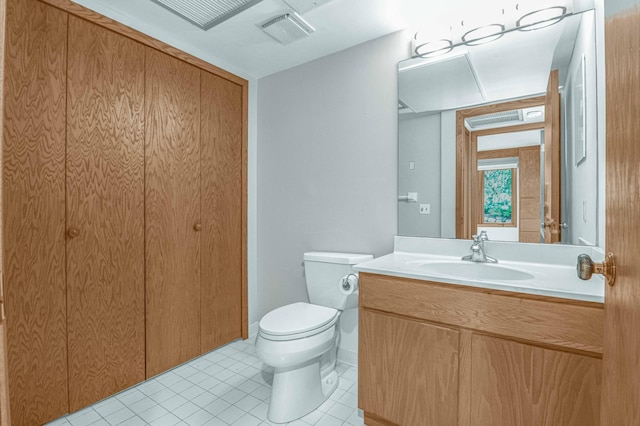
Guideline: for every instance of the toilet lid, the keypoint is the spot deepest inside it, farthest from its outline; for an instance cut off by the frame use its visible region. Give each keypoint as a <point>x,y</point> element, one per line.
<point>296,318</point>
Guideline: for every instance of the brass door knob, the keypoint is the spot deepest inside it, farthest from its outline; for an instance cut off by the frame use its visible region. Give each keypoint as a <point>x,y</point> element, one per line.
<point>197,227</point>
<point>73,232</point>
<point>586,268</point>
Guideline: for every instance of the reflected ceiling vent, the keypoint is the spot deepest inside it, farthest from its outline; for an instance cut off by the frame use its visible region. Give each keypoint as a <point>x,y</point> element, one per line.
<point>495,118</point>
<point>287,28</point>
<point>206,14</point>
<point>303,6</point>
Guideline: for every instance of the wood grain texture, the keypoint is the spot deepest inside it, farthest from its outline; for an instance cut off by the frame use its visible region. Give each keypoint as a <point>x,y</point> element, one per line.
<point>172,208</point>
<point>530,181</point>
<point>559,323</point>
<point>621,387</point>
<point>524,385</point>
<point>5,411</point>
<point>108,23</point>
<point>552,233</point>
<point>530,207</point>
<point>464,379</point>
<point>530,174</point>
<point>530,237</point>
<point>245,210</point>
<point>5,419</point>
<point>105,202</point>
<point>373,420</point>
<point>408,370</point>
<point>34,210</point>
<point>221,240</point>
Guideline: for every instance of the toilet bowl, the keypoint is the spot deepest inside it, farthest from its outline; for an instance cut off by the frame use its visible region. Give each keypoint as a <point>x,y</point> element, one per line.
<point>303,358</point>
<point>301,340</point>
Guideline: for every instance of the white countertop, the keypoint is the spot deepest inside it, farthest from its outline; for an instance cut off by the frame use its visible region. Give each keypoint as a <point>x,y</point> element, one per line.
<point>558,279</point>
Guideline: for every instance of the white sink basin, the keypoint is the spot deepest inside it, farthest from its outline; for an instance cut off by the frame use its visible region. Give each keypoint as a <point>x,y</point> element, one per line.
<point>475,271</point>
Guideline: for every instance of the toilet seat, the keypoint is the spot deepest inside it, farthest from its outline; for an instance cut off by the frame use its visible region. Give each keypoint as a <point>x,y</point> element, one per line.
<point>296,321</point>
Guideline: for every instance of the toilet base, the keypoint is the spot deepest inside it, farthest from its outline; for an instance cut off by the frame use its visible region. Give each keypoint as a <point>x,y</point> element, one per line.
<point>298,391</point>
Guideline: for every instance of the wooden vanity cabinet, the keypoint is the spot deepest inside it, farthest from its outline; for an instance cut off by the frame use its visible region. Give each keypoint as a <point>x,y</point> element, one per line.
<point>440,354</point>
<point>412,368</point>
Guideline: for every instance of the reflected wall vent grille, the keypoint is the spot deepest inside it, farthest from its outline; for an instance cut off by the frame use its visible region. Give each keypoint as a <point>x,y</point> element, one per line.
<point>206,14</point>
<point>495,118</point>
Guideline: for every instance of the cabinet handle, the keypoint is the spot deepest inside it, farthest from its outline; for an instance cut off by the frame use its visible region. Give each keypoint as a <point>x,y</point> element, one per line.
<point>73,232</point>
<point>197,227</point>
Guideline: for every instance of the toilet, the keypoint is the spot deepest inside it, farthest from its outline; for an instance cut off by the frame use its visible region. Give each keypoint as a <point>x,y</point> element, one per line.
<point>300,340</point>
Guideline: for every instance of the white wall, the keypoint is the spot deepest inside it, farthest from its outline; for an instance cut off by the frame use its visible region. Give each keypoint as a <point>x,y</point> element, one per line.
<point>419,144</point>
<point>430,142</point>
<point>327,166</point>
<point>582,180</point>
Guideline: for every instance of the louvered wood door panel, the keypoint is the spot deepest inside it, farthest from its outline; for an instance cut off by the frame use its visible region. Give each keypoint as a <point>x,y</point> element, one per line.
<point>34,210</point>
<point>172,206</point>
<point>105,207</point>
<point>221,162</point>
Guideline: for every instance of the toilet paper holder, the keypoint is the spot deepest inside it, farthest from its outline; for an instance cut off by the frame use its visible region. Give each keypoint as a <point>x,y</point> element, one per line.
<point>349,283</point>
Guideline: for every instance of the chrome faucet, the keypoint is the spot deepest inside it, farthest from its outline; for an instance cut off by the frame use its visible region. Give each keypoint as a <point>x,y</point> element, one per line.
<point>477,250</point>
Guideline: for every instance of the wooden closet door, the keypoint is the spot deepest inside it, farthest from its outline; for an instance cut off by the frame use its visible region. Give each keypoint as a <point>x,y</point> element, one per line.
<point>221,162</point>
<point>172,205</point>
<point>34,210</point>
<point>105,213</point>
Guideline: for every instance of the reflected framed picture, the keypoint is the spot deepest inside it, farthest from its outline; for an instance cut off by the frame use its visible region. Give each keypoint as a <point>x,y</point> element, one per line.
<point>578,108</point>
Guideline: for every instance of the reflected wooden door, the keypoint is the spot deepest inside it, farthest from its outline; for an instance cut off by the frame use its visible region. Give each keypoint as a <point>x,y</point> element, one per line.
<point>105,213</point>
<point>621,375</point>
<point>552,161</point>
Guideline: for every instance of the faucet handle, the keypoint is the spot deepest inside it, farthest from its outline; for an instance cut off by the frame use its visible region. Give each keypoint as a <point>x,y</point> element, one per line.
<point>476,238</point>
<point>484,236</point>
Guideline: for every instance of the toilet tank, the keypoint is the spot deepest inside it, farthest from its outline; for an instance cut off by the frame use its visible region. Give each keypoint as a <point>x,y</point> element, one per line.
<point>323,272</point>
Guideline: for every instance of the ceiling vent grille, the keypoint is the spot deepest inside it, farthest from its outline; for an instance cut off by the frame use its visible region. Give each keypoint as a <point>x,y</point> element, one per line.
<point>206,14</point>
<point>287,28</point>
<point>495,118</point>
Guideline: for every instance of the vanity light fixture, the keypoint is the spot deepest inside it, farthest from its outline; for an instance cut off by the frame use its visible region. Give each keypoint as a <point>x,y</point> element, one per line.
<point>541,18</point>
<point>431,49</point>
<point>474,31</point>
<point>484,34</point>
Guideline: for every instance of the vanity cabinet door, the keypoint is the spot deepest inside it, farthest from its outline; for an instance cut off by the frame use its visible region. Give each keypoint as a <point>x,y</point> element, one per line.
<point>408,370</point>
<point>518,384</point>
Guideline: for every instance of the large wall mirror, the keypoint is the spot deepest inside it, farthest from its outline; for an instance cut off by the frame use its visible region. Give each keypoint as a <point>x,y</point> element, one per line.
<point>503,137</point>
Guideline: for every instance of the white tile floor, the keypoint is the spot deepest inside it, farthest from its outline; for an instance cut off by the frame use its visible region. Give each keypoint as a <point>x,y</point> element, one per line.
<point>229,386</point>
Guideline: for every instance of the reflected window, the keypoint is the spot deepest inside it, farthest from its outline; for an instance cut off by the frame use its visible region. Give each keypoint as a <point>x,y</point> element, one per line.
<point>499,201</point>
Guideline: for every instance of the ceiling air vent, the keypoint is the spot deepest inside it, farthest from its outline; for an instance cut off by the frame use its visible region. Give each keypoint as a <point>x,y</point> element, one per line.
<point>206,13</point>
<point>495,118</point>
<point>303,6</point>
<point>287,28</point>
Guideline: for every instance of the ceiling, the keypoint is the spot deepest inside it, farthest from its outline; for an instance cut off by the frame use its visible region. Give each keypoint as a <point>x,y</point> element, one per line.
<point>239,46</point>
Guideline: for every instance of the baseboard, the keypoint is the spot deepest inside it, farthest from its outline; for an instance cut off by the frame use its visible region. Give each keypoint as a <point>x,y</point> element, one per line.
<point>253,330</point>
<point>348,357</point>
